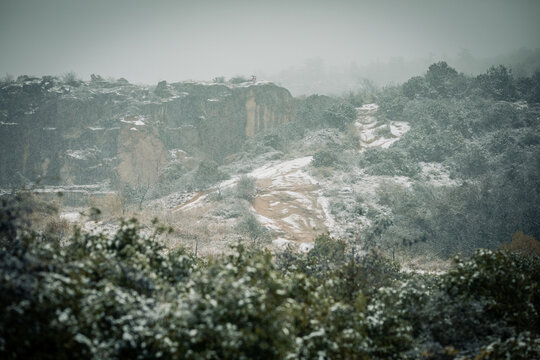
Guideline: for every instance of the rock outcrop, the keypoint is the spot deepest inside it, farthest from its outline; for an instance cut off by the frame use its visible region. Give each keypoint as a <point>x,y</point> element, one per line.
<point>90,132</point>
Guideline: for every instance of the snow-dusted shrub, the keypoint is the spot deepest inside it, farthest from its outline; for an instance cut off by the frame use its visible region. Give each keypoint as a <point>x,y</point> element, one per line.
<point>392,162</point>
<point>250,227</point>
<point>508,282</point>
<point>127,296</point>
<point>208,173</point>
<point>340,115</point>
<point>245,188</point>
<point>324,158</point>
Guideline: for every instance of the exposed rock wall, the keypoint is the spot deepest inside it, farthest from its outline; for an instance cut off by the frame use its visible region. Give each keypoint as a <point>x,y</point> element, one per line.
<point>141,155</point>
<point>98,131</point>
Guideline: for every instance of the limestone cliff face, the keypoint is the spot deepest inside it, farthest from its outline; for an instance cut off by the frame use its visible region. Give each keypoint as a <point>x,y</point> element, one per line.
<point>265,111</point>
<point>98,131</point>
<point>141,155</point>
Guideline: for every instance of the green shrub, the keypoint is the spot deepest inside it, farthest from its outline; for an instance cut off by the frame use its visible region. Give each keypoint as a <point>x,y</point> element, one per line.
<point>524,346</point>
<point>390,162</point>
<point>340,115</point>
<point>250,226</point>
<point>324,158</point>
<point>246,188</point>
<point>127,296</point>
<point>509,282</point>
<point>71,78</point>
<point>311,111</point>
<point>208,173</point>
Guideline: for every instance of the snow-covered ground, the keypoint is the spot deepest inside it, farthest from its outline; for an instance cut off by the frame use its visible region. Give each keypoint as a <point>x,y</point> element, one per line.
<point>372,135</point>
<point>293,201</point>
<point>288,201</point>
<point>297,207</point>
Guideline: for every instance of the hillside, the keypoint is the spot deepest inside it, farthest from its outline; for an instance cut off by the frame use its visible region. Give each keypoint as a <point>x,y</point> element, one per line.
<point>432,168</point>
<point>271,227</point>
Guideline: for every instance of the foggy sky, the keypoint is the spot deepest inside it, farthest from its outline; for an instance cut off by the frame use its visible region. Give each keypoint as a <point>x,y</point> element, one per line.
<point>148,41</point>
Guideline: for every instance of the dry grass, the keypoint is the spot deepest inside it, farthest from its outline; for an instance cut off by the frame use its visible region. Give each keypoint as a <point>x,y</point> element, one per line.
<point>523,244</point>
<point>426,263</point>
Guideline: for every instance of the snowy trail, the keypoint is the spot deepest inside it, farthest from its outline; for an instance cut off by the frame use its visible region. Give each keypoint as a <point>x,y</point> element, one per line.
<point>372,135</point>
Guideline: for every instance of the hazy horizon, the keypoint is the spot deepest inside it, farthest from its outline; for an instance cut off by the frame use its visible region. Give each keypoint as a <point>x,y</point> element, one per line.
<point>146,42</point>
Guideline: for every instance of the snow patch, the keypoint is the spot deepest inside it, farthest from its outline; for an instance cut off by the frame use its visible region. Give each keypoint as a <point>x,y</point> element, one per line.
<point>295,220</point>
<point>77,154</point>
<point>281,243</point>
<point>137,120</point>
<point>276,169</point>
<point>369,107</point>
<point>267,222</point>
<point>305,247</point>
<point>367,129</point>
<point>70,216</point>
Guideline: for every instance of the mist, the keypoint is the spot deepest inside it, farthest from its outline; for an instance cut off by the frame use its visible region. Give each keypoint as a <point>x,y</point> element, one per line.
<point>146,42</point>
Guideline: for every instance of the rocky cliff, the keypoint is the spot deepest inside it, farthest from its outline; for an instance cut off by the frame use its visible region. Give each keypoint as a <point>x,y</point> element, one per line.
<point>88,132</point>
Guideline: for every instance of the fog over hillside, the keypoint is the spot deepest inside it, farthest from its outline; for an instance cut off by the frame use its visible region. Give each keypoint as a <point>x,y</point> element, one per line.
<point>146,42</point>
<point>316,76</point>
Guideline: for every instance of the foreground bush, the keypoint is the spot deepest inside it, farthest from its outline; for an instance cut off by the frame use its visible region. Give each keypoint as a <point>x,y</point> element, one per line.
<point>127,296</point>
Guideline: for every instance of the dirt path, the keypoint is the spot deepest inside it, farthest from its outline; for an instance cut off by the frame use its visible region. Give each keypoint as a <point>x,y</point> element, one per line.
<point>288,203</point>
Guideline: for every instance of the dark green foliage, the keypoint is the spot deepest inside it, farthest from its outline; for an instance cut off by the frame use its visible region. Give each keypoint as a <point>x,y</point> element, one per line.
<point>172,172</point>
<point>498,83</point>
<point>442,80</point>
<point>162,90</point>
<point>393,162</point>
<point>392,102</point>
<point>126,296</point>
<point>250,226</point>
<point>324,158</point>
<point>310,111</point>
<point>208,173</point>
<point>274,141</point>
<point>529,88</point>
<point>96,78</point>
<point>415,87</point>
<point>520,347</point>
<point>246,188</point>
<point>318,111</point>
<point>508,283</point>
<point>326,254</point>
<point>487,137</point>
<point>70,78</point>
<point>489,299</point>
<point>340,115</point>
